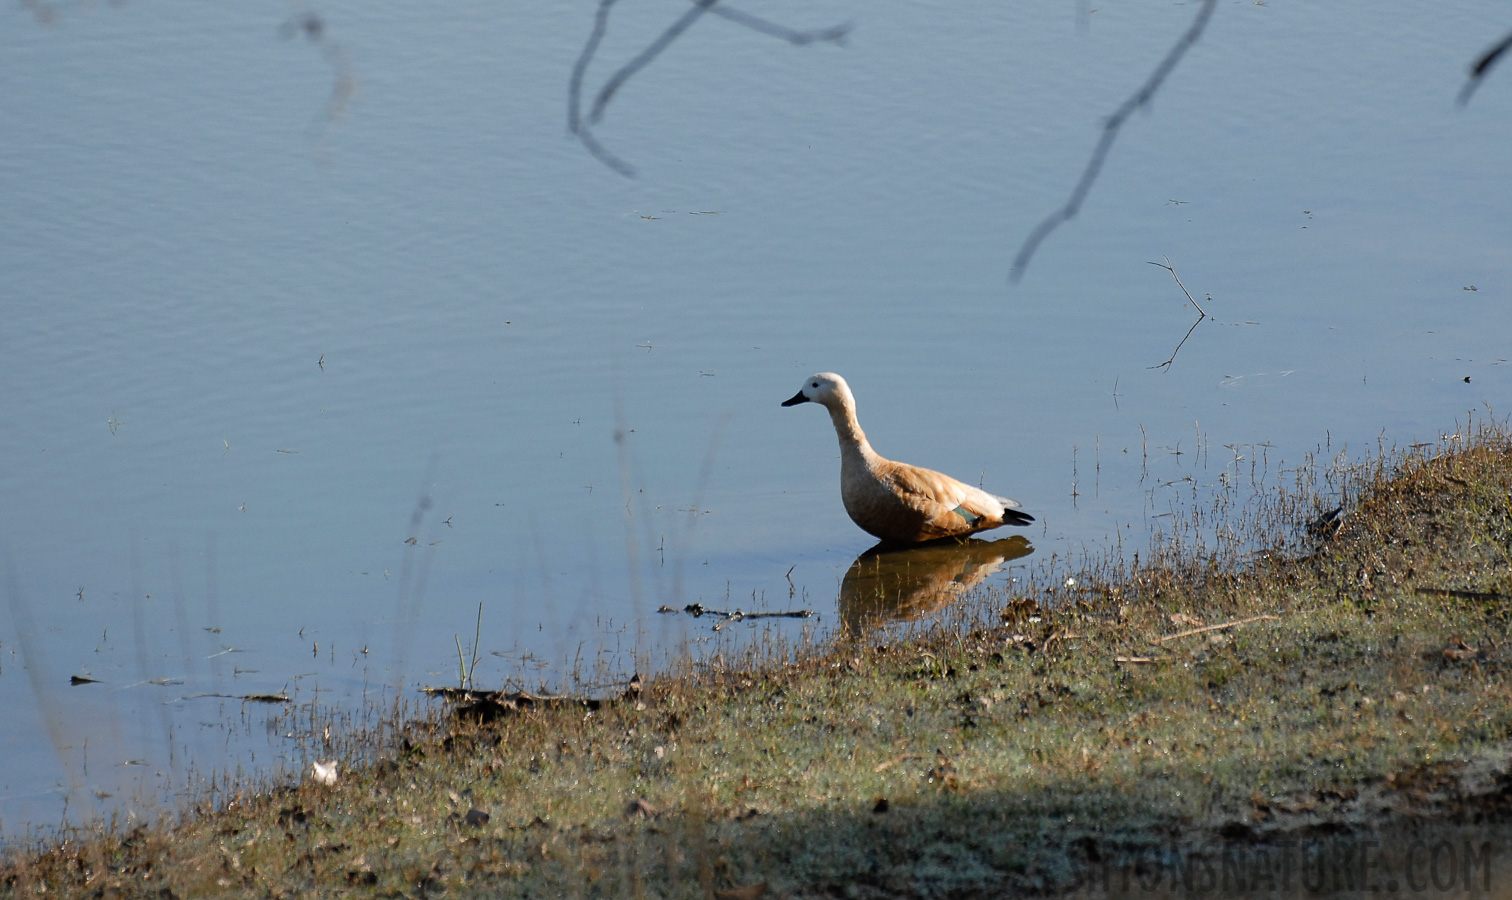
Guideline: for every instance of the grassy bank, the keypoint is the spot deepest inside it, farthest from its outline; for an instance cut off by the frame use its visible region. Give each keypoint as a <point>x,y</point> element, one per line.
<point>1290,677</point>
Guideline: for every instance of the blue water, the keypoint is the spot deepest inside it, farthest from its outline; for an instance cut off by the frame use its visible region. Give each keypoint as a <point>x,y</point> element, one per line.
<point>272,307</point>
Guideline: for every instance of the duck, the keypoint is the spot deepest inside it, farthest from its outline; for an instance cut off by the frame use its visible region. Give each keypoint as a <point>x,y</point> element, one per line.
<point>893,501</point>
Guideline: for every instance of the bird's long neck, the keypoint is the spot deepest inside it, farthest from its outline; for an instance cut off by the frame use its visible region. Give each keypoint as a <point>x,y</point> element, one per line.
<point>853,443</point>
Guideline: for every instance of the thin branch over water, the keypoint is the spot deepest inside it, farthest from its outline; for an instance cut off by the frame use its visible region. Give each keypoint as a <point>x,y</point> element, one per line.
<point>344,79</point>
<point>835,34</point>
<point>645,57</point>
<point>575,92</point>
<point>1111,127</point>
<point>1483,65</point>
<point>575,123</point>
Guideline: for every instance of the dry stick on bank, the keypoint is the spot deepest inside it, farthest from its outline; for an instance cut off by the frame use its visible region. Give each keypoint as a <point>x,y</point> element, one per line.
<point>1490,596</point>
<point>575,123</point>
<point>1147,660</point>
<point>1206,628</point>
<point>1111,127</point>
<point>889,763</point>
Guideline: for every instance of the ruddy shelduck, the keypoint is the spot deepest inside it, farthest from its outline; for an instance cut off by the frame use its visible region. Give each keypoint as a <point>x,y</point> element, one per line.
<point>896,502</point>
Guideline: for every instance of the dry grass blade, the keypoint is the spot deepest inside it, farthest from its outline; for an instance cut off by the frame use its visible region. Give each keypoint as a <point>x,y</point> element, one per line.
<point>1220,627</point>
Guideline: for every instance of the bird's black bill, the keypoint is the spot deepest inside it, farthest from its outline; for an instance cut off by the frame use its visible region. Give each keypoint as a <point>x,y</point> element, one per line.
<point>795,399</point>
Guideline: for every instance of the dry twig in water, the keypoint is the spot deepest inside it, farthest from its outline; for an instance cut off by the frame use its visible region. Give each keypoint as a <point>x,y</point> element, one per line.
<point>1201,314</point>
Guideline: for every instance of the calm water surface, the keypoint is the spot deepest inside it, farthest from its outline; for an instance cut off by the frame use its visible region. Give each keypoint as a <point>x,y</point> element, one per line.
<point>286,395</point>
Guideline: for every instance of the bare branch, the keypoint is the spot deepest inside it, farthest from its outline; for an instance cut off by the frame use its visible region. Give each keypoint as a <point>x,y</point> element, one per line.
<point>575,92</point>
<point>344,80</point>
<point>575,83</point>
<point>1220,627</point>
<point>1139,98</point>
<point>644,58</point>
<point>586,138</point>
<point>575,122</point>
<point>1482,66</point>
<point>1172,358</point>
<point>1201,314</point>
<point>1172,269</point>
<point>837,34</point>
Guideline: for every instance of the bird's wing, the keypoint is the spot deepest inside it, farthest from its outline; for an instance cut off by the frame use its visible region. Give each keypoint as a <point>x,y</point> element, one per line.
<point>932,493</point>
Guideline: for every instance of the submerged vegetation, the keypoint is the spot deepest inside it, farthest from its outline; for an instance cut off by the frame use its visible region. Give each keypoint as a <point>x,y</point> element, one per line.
<point>1324,661</point>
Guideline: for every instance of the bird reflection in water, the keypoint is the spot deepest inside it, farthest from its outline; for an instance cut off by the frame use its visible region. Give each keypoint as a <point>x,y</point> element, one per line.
<point>888,584</point>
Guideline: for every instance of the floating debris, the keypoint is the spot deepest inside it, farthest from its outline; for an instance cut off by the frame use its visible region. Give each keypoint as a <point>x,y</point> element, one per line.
<point>258,698</point>
<point>486,706</point>
<point>698,611</point>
